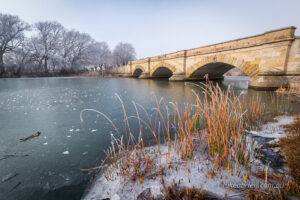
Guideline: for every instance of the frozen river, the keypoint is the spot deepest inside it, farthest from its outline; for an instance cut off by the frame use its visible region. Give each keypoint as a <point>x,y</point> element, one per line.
<point>48,166</point>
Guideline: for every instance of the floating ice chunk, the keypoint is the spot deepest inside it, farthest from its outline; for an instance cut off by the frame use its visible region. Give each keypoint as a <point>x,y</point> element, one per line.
<point>46,143</point>
<point>84,153</point>
<point>77,130</point>
<point>66,152</point>
<point>94,130</point>
<point>69,136</point>
<point>71,130</point>
<point>67,106</point>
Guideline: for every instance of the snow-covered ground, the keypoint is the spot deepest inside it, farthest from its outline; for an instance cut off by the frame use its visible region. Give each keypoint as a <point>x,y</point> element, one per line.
<point>274,129</point>
<point>196,173</point>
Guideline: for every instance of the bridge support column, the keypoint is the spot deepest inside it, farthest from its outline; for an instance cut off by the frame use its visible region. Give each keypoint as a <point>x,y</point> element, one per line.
<point>145,75</point>
<point>274,81</point>
<point>177,76</point>
<point>126,75</point>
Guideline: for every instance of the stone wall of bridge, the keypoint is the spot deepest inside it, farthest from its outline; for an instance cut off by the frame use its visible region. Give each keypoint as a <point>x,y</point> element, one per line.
<point>271,59</point>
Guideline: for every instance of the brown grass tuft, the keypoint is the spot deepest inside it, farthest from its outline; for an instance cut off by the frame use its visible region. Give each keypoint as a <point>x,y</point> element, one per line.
<point>291,147</point>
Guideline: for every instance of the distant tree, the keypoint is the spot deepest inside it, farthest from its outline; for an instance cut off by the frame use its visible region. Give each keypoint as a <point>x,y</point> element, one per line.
<point>123,53</point>
<point>100,54</point>
<point>19,59</point>
<point>46,43</point>
<point>76,49</point>
<point>11,35</point>
<point>51,48</point>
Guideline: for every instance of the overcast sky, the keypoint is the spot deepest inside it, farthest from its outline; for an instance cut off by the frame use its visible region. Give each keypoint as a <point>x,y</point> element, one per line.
<point>160,26</point>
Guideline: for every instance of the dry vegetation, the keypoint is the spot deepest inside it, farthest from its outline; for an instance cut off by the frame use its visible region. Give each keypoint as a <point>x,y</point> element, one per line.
<point>293,91</point>
<point>225,118</point>
<point>291,147</point>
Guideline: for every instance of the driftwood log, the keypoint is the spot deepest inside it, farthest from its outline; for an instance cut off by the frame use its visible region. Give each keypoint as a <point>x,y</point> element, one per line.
<point>32,136</point>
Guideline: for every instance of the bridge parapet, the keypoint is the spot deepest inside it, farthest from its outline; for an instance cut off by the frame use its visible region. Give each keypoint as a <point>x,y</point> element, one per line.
<point>263,57</point>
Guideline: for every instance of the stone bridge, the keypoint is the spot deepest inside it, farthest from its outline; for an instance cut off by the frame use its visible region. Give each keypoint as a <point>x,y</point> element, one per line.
<point>271,60</point>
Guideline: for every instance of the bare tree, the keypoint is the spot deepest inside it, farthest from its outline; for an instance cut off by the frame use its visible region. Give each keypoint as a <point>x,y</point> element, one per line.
<point>47,42</point>
<point>75,49</point>
<point>123,53</point>
<point>100,54</point>
<point>53,49</point>
<point>11,35</point>
<point>18,59</point>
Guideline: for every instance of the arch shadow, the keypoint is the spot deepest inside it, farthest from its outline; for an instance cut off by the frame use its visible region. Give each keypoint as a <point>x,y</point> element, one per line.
<point>162,72</point>
<point>213,70</point>
<point>137,72</point>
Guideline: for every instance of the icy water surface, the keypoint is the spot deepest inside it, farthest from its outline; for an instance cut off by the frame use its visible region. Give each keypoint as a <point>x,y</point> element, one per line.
<point>48,166</point>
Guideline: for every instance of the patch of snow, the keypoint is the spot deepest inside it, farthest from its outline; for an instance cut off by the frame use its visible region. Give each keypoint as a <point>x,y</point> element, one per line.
<point>272,142</point>
<point>66,152</point>
<point>274,129</point>
<point>195,175</point>
<point>115,197</point>
<point>276,149</point>
<point>155,191</point>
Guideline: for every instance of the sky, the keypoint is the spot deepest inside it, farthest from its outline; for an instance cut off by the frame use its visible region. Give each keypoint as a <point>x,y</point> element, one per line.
<point>156,27</point>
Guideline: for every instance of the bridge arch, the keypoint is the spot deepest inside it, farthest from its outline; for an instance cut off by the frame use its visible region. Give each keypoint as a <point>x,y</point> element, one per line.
<point>215,66</point>
<point>137,70</point>
<point>163,70</point>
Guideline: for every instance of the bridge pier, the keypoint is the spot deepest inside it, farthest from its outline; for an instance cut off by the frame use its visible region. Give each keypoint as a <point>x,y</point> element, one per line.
<point>274,81</point>
<point>177,76</point>
<point>145,75</point>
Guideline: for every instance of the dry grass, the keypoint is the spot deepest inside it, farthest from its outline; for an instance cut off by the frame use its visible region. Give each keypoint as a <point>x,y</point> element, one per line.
<point>223,141</point>
<point>174,192</point>
<point>291,147</point>
<point>282,189</point>
<point>294,89</point>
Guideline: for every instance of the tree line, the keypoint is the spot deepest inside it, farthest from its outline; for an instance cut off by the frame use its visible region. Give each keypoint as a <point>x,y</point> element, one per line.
<point>47,47</point>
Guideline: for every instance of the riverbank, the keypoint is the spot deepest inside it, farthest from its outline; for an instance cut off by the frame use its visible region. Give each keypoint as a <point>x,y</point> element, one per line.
<point>171,174</point>
<point>45,75</point>
<point>224,160</point>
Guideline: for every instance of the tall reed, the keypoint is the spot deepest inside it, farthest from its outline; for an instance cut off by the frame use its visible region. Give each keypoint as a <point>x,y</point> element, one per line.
<point>223,139</point>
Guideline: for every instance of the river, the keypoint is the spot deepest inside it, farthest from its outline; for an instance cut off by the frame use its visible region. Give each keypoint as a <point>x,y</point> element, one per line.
<point>48,166</point>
